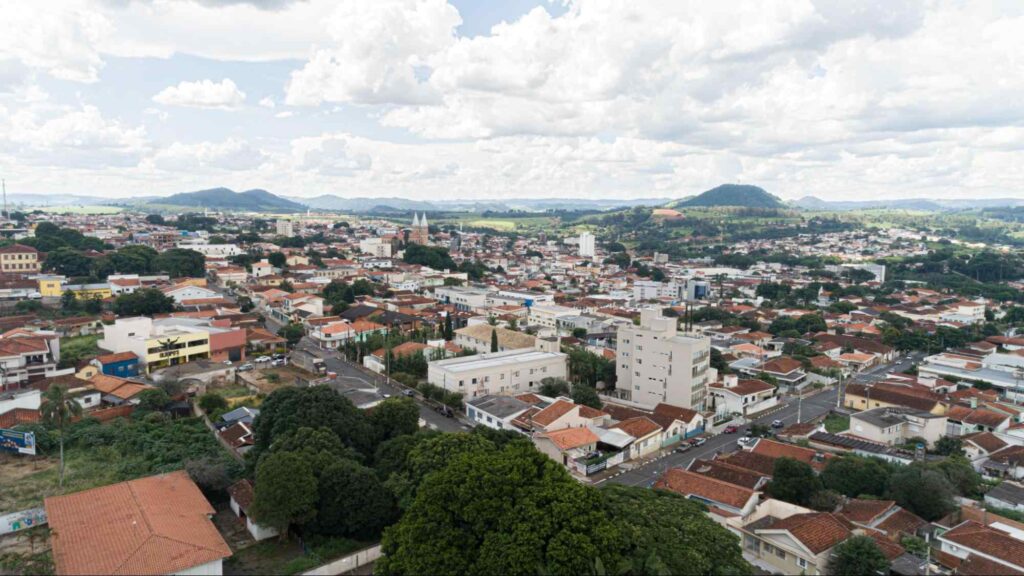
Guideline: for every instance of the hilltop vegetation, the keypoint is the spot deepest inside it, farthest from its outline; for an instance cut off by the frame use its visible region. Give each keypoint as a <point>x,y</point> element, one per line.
<point>227,199</point>
<point>733,195</point>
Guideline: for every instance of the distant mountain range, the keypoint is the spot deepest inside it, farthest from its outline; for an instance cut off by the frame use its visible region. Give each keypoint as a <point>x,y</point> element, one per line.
<point>263,201</point>
<point>227,199</point>
<point>815,203</point>
<point>732,195</point>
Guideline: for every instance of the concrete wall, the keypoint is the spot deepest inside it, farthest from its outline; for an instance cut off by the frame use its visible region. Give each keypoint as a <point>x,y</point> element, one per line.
<point>348,563</point>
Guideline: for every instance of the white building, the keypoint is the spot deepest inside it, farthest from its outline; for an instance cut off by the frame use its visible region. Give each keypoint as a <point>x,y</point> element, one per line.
<point>587,245</point>
<point>378,247</point>
<point>655,364</point>
<point>213,250</point>
<point>463,298</point>
<point>500,373</point>
<point>285,227</point>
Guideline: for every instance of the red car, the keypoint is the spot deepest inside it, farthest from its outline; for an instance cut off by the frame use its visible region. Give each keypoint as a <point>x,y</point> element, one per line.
<point>730,430</point>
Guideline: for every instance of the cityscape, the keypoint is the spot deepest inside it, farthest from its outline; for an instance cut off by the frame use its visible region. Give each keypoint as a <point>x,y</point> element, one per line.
<point>417,287</point>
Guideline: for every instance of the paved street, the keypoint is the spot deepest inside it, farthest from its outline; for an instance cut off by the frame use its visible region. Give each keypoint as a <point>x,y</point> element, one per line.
<point>350,373</point>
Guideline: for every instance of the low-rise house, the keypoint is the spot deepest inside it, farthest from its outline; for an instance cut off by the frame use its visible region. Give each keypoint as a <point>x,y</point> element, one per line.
<point>567,444</point>
<point>563,413</point>
<point>1006,494</point>
<point>118,391</point>
<point>980,445</point>
<point>27,356</point>
<point>496,412</point>
<point>787,539</point>
<point>154,525</point>
<point>647,435</point>
<point>883,395</point>
<point>242,495</point>
<point>478,337</point>
<point>747,396</point>
<point>773,449</point>
<point>894,426</point>
<point>883,516</point>
<point>969,541</point>
<point>724,499</point>
<point>120,364</point>
<point>722,469</point>
<point>377,361</point>
<point>969,419</point>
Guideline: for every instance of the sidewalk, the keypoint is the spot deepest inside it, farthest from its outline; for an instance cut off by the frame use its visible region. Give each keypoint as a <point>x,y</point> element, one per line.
<point>628,466</point>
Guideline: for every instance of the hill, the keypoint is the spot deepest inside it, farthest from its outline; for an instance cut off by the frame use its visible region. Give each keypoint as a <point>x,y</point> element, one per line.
<point>227,199</point>
<point>733,195</point>
<point>360,204</point>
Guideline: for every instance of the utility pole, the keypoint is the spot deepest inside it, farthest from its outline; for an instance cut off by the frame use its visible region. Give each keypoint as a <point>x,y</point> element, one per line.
<point>839,395</point>
<point>799,407</point>
<point>4,184</point>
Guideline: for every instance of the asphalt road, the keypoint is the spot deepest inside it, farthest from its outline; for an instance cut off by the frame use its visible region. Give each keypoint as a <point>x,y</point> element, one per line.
<point>809,408</point>
<point>350,373</point>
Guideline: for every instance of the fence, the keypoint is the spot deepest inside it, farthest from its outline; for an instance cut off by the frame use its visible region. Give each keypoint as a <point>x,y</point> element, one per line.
<point>348,563</point>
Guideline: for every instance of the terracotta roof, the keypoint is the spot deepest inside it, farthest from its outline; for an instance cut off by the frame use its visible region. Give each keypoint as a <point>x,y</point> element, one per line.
<point>242,492</point>
<point>154,525</point>
<point>117,357</point>
<point>639,427</point>
<point>774,449</point>
<point>553,412</point>
<point>890,549</point>
<point>817,531</point>
<point>865,511</point>
<point>989,541</point>
<point>759,463</point>
<point>726,472</point>
<point>690,483</point>
<point>901,522</point>
<point>981,416</point>
<point>588,412</point>
<point>675,412</point>
<point>781,365</point>
<point>891,396</point>
<point>569,438</point>
<point>975,565</point>
<point>987,441</point>
<point>745,387</point>
<point>18,249</point>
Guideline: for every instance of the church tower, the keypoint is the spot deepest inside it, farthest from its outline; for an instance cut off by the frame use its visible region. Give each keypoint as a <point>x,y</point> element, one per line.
<point>419,233</point>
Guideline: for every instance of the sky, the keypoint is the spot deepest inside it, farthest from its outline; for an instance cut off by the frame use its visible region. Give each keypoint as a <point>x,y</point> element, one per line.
<point>473,99</point>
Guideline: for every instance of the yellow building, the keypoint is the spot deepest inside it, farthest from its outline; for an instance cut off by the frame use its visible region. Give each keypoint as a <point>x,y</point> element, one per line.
<point>51,287</point>
<point>87,291</point>
<point>858,397</point>
<point>176,348</point>
<point>19,259</point>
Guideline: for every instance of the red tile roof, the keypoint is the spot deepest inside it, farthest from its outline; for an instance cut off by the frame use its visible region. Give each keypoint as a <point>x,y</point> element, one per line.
<point>639,427</point>
<point>865,511</point>
<point>989,541</point>
<point>817,531</point>
<point>690,483</point>
<point>569,438</point>
<point>774,449</point>
<point>553,412</point>
<point>154,525</point>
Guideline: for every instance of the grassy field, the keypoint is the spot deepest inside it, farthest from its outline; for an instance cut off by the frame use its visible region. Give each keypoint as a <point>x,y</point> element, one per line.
<point>835,423</point>
<point>74,349</point>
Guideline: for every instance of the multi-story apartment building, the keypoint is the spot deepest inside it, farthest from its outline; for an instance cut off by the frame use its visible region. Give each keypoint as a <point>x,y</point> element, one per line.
<point>18,259</point>
<point>587,248</point>
<point>500,373</point>
<point>655,364</point>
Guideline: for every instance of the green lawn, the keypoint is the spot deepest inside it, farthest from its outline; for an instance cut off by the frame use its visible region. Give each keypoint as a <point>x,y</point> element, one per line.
<point>72,350</point>
<point>836,423</point>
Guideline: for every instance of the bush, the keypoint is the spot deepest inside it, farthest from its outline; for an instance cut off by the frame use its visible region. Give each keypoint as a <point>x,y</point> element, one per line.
<point>212,402</point>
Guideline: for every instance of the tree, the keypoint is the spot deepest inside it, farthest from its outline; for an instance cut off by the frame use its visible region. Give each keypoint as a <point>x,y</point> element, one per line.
<point>793,481</point>
<point>58,409</point>
<point>553,387</point>
<point>924,492</point>
<point>277,259</point>
<point>431,455</point>
<point>212,403</point>
<point>494,340</point>
<point>144,302</point>
<point>449,333</point>
<point>854,476</point>
<point>286,492</point>
<point>857,556</point>
<point>586,395</point>
<point>68,301</point>
<point>68,262</point>
<point>666,533</point>
<point>948,445</point>
<point>502,512</point>
<point>292,332</point>
<point>153,399</point>
<point>352,502</point>
<point>213,475</point>
<point>28,306</point>
<point>155,219</point>
<point>181,262</point>
<point>961,475</point>
<point>394,417</point>
<point>288,409</point>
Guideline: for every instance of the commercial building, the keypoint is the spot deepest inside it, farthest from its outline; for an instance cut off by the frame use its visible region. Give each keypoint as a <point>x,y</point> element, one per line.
<point>285,227</point>
<point>499,373</point>
<point>655,364</point>
<point>378,247</point>
<point>157,343</point>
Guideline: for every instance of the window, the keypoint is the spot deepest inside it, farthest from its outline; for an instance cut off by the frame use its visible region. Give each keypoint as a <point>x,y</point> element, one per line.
<point>801,562</point>
<point>780,553</point>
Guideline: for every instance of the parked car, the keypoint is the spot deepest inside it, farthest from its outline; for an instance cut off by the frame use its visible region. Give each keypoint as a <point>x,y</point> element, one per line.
<point>408,393</point>
<point>446,411</point>
<point>262,359</point>
<point>698,441</point>
<point>777,424</point>
<point>745,441</point>
<point>730,430</point>
<point>246,367</point>
<point>279,362</point>
<point>683,447</point>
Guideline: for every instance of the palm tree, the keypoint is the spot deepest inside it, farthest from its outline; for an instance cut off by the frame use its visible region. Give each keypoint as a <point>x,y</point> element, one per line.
<point>57,409</point>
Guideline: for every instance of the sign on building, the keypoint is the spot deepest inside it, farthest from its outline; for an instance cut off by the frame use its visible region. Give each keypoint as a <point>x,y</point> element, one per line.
<point>23,520</point>
<point>17,442</point>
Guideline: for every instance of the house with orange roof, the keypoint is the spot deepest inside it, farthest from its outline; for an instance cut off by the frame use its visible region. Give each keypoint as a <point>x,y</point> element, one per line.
<point>741,396</point>
<point>783,538</point>
<point>775,449</point>
<point>154,525</point>
<point>564,413</point>
<point>647,435</point>
<point>723,498</point>
<point>27,356</point>
<point>567,444</point>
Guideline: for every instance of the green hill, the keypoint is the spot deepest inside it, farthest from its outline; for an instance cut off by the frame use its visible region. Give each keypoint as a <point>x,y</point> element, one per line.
<point>733,195</point>
<point>227,199</point>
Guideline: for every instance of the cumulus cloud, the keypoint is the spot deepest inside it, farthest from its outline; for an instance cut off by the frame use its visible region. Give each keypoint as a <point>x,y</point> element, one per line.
<point>203,94</point>
<point>231,154</point>
<point>60,38</point>
<point>64,136</point>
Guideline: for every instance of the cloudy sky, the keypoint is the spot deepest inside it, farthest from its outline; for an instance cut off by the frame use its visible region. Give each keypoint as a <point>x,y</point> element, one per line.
<point>526,98</point>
